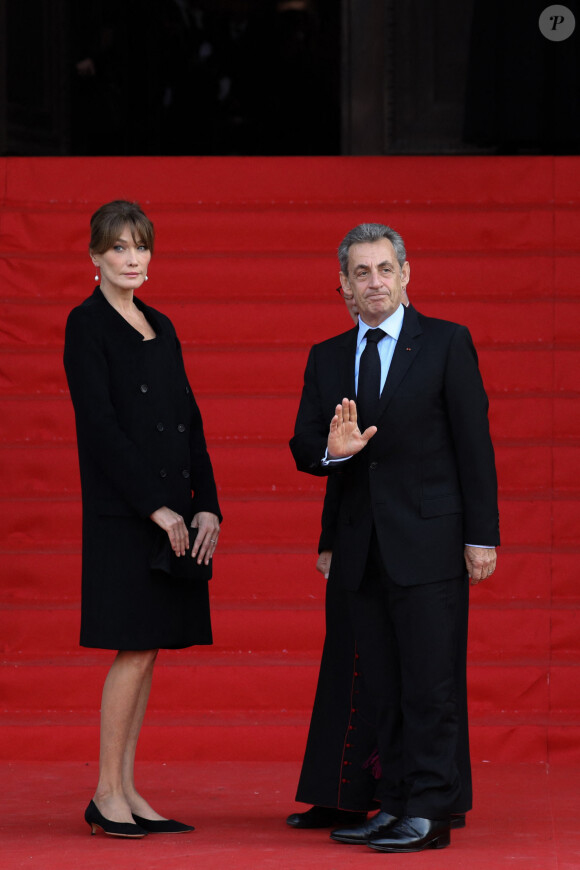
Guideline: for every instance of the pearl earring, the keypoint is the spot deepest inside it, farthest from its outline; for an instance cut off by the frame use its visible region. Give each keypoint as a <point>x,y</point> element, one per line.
<point>96,275</point>
<point>146,277</point>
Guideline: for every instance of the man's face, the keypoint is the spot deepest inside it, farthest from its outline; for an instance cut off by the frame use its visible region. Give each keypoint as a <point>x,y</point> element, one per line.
<point>351,305</point>
<point>374,280</point>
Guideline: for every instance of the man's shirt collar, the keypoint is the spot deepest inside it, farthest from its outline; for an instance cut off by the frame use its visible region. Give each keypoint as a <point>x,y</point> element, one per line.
<point>391,325</point>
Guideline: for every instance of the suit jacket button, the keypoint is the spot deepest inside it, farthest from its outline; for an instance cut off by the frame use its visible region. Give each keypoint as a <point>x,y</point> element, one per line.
<point>187,391</point>
<point>185,473</point>
<point>144,388</point>
<point>160,427</point>
<point>163,473</point>
<point>181,427</point>
<point>373,465</point>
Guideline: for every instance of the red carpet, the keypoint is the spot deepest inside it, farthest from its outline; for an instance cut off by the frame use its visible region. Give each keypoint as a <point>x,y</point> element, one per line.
<point>245,266</point>
<point>526,816</point>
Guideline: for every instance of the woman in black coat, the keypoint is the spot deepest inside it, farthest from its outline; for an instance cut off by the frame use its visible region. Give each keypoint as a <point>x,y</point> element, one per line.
<point>147,490</point>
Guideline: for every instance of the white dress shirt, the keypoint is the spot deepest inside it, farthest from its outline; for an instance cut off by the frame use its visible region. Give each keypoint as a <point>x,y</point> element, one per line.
<point>386,346</point>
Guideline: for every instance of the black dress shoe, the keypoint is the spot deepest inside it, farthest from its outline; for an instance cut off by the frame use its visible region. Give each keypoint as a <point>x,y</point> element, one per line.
<point>361,834</point>
<point>457,820</point>
<point>413,834</point>
<point>324,817</point>
<point>162,826</point>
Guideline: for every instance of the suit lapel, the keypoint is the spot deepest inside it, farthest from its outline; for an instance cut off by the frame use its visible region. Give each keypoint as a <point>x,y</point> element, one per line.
<point>406,350</point>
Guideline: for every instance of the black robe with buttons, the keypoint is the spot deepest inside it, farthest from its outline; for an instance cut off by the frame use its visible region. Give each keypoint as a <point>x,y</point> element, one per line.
<point>141,446</point>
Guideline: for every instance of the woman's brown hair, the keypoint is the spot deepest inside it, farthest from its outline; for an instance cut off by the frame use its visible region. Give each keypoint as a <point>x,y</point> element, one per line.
<point>108,221</point>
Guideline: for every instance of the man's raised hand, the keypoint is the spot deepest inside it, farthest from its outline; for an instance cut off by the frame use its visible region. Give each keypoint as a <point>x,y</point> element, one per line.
<point>345,438</point>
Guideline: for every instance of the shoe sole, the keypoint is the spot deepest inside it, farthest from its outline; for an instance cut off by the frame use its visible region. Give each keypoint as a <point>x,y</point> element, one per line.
<point>351,841</point>
<point>121,836</point>
<point>438,843</point>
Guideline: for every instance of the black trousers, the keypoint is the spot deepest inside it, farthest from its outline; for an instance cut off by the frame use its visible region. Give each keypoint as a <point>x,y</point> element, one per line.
<point>408,639</point>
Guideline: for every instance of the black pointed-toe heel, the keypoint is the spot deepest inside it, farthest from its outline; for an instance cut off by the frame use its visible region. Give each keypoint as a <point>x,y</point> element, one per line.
<point>96,820</point>
<point>162,826</point>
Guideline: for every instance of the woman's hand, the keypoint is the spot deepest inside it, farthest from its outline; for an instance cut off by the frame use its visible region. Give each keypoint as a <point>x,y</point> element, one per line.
<point>174,525</point>
<point>208,526</point>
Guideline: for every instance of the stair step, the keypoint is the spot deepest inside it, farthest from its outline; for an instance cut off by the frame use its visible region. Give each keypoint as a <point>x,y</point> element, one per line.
<point>261,736</point>
<point>47,631</point>
<point>242,468</point>
<point>248,324</point>
<point>50,419</point>
<point>530,578</point>
<point>189,276</point>
<point>275,627</point>
<point>275,523</point>
<point>193,182</point>
<point>288,321</point>
<point>279,371</point>
<point>258,576</point>
<point>309,228</point>
<point>278,738</point>
<point>244,682</point>
<point>219,685</point>
<point>44,420</point>
<point>210,371</point>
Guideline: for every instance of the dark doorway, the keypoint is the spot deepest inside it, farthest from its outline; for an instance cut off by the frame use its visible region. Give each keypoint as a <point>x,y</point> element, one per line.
<point>286,77</point>
<point>205,77</point>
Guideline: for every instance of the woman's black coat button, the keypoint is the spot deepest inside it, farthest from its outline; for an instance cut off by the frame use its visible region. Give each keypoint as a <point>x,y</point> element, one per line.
<point>160,427</point>
<point>181,427</point>
<point>144,388</point>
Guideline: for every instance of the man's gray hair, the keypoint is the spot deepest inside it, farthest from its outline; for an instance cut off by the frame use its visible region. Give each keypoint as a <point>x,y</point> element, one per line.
<point>370,233</point>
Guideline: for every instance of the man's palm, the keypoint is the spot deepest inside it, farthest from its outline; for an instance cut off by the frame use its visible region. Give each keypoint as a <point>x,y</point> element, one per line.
<point>345,438</point>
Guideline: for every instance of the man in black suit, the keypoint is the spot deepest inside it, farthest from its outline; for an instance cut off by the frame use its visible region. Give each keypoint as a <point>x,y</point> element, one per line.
<point>339,769</point>
<point>417,514</point>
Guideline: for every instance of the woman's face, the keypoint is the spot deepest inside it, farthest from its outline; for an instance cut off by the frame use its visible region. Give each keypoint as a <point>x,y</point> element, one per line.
<point>124,265</point>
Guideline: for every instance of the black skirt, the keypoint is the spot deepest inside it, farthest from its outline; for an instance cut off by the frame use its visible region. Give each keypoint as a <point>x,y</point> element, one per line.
<point>137,608</point>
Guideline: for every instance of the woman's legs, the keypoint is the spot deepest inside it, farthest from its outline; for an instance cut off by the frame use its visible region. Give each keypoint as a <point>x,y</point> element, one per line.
<point>125,695</point>
<point>137,803</point>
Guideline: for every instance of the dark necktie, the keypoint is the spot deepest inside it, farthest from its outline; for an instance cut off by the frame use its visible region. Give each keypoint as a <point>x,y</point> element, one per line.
<point>369,380</point>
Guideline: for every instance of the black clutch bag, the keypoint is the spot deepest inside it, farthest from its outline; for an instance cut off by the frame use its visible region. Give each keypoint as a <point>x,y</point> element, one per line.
<point>164,559</point>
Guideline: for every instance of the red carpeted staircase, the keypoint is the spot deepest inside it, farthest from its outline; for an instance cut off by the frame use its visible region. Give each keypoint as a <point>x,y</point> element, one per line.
<point>245,267</point>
